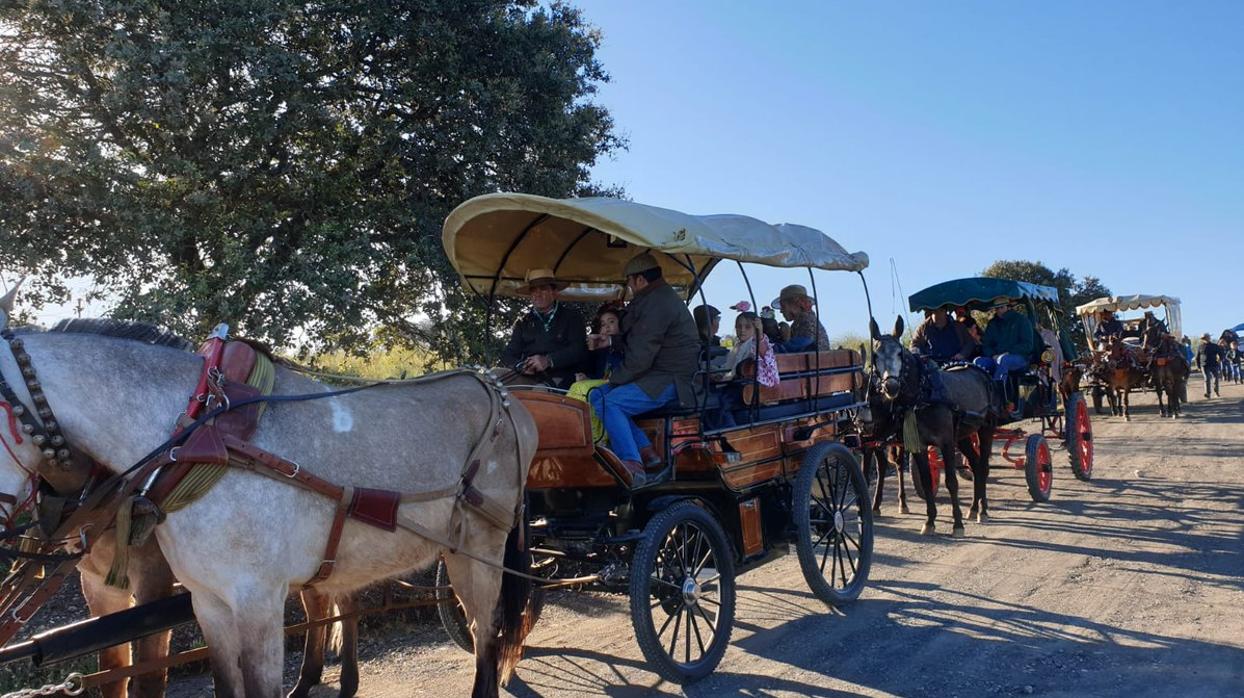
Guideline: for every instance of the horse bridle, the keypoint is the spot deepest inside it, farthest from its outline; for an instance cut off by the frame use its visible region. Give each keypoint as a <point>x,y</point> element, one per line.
<point>44,431</point>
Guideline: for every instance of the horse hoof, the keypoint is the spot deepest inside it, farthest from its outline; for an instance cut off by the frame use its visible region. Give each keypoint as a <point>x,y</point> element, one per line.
<point>902,509</point>
<point>876,513</point>
<point>958,532</point>
<point>982,517</point>
<point>928,529</point>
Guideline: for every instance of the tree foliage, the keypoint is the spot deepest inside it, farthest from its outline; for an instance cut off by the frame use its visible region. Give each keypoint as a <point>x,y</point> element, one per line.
<point>284,166</point>
<point>1072,292</point>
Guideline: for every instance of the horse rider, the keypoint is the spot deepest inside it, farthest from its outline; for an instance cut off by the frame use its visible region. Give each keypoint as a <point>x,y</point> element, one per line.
<point>1151,331</point>
<point>1209,360</point>
<point>661,349</point>
<point>806,331</point>
<point>1109,327</point>
<point>548,344</point>
<point>942,339</point>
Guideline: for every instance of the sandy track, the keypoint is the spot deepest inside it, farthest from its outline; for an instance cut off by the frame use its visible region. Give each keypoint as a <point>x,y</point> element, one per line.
<point>1132,584</point>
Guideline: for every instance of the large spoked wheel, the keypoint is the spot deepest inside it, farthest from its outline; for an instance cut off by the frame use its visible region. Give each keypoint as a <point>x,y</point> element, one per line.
<point>935,473</point>
<point>682,593</point>
<point>450,610</point>
<point>833,523</point>
<point>1038,468</point>
<point>1079,437</point>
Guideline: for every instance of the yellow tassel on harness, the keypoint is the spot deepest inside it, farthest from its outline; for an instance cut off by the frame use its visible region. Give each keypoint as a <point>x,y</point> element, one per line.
<point>195,484</point>
<point>911,433</point>
<point>118,574</point>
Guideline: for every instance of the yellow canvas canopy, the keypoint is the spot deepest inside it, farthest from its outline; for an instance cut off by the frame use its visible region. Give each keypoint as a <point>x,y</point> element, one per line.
<point>492,241</point>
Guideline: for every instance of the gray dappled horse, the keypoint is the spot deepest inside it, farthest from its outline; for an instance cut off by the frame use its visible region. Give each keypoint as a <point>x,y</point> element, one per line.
<point>902,382</point>
<point>248,541</point>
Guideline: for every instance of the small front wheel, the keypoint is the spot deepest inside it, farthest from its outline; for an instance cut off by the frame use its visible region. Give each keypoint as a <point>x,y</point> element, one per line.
<point>1038,468</point>
<point>682,593</point>
<point>833,523</point>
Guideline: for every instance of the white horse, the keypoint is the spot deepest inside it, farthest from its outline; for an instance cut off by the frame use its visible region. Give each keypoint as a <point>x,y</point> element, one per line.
<point>251,539</point>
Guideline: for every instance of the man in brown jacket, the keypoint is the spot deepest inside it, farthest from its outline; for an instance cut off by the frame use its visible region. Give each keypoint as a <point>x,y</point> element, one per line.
<point>661,349</point>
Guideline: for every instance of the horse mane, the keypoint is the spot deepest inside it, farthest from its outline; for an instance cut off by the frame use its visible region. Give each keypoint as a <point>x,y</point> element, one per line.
<point>124,329</point>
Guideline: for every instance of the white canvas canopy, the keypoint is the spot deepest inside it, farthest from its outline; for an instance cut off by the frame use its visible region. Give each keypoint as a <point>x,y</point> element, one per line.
<point>493,240</point>
<point>1139,301</point>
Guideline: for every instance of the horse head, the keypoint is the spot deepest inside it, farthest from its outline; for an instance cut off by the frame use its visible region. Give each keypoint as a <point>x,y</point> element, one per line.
<point>19,476</point>
<point>893,365</point>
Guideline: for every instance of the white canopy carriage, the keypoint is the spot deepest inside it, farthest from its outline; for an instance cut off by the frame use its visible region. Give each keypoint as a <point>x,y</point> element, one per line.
<point>492,241</point>
<point>1089,311</point>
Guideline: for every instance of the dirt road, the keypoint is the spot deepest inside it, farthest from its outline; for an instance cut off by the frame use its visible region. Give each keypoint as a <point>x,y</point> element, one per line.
<point>1130,585</point>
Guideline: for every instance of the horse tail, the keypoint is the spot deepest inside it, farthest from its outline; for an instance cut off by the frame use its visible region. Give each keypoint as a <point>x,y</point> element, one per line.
<point>517,614</point>
<point>336,634</point>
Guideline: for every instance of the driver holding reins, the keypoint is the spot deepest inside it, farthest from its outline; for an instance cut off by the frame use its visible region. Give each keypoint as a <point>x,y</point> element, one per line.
<point>549,343</point>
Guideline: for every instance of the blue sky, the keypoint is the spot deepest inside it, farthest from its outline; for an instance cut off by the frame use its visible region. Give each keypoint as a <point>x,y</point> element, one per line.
<point>1105,137</point>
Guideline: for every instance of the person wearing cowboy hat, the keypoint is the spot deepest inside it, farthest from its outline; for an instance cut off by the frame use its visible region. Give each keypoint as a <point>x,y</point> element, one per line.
<point>1109,327</point>
<point>549,343</point>
<point>1209,360</point>
<point>660,355</point>
<point>1008,343</point>
<point>806,331</point>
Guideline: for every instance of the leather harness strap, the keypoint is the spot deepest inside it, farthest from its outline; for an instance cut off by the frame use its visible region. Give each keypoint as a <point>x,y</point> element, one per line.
<point>334,538</point>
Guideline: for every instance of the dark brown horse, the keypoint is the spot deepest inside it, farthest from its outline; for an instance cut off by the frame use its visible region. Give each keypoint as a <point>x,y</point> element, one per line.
<point>1118,367</point>
<point>1169,371</point>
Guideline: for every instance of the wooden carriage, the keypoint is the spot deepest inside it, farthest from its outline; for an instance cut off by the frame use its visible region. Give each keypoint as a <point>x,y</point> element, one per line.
<point>727,499</point>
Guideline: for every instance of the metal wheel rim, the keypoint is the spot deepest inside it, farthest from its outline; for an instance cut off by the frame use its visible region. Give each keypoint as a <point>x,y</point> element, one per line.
<point>836,523</point>
<point>685,585</point>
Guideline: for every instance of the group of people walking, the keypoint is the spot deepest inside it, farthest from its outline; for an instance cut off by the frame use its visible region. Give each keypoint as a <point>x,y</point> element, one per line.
<point>1220,361</point>
<point>643,356</point>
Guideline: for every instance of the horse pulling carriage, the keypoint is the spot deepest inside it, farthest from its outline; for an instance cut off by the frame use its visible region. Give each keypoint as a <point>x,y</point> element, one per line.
<point>1116,368</point>
<point>727,500</point>
<point>1042,391</point>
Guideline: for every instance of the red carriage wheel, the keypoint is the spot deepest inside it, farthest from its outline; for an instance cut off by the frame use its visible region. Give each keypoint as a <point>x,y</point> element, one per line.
<point>1079,437</point>
<point>1038,468</point>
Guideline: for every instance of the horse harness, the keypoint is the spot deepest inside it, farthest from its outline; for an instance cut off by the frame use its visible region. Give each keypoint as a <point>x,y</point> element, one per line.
<point>220,437</point>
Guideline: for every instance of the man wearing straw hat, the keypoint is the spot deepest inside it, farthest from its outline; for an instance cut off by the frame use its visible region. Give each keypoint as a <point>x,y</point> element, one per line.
<point>806,331</point>
<point>660,355</point>
<point>549,343</point>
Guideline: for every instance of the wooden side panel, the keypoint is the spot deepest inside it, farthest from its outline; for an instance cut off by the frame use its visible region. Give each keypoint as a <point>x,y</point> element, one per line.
<point>564,424</point>
<point>760,450</point>
<point>568,471</point>
<point>786,389</point>
<point>749,517</point>
<point>828,385</point>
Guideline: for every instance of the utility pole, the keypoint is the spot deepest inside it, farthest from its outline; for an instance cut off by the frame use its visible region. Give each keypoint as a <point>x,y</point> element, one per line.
<point>78,307</point>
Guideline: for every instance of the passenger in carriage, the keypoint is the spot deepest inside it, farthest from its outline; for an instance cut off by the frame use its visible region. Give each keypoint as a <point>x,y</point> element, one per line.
<point>707,323</point>
<point>660,356</point>
<point>1008,342</point>
<point>1109,327</point>
<point>964,318</point>
<point>601,363</point>
<point>548,343</point>
<point>806,331</point>
<point>941,339</point>
<point>750,342</point>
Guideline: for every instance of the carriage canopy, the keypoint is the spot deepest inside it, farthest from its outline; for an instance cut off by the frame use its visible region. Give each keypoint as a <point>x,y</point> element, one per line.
<point>1138,301</point>
<point>492,241</point>
<point>976,292</point>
